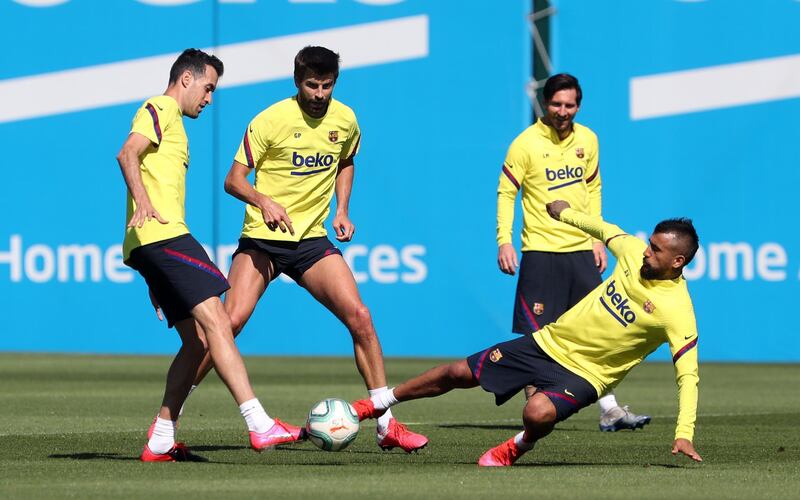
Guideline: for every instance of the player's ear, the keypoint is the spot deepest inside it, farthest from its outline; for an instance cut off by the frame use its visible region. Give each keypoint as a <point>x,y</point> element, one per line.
<point>186,78</point>
<point>678,261</point>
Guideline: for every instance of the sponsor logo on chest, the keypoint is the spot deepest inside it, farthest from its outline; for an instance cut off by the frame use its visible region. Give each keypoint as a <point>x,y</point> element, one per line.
<point>617,304</point>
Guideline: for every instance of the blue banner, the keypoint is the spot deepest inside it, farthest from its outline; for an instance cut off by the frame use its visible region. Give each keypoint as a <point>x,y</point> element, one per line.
<point>439,91</point>
<point>694,104</point>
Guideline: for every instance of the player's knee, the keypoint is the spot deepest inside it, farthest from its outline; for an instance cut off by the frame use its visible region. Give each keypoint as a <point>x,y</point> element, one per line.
<point>539,411</point>
<point>459,374</point>
<point>237,322</point>
<point>359,321</point>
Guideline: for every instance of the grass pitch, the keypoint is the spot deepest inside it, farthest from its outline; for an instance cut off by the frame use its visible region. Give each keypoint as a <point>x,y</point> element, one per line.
<point>73,427</point>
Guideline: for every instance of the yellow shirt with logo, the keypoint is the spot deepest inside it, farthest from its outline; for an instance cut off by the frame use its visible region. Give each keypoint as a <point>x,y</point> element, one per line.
<point>295,158</point>
<point>163,170</point>
<point>623,320</point>
<point>547,168</point>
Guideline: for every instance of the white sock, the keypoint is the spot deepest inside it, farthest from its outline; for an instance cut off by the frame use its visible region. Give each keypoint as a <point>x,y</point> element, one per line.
<point>163,438</point>
<point>607,402</point>
<point>255,416</point>
<point>382,398</point>
<point>522,444</point>
<point>191,390</point>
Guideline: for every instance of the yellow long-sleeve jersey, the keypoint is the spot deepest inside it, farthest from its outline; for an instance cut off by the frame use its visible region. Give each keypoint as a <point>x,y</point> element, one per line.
<point>546,168</point>
<point>623,320</point>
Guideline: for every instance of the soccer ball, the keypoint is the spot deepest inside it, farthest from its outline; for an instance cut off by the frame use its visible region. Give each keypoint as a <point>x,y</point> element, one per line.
<point>332,424</point>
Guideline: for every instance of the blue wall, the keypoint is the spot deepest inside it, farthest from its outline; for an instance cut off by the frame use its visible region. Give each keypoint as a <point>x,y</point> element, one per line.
<point>730,165</point>
<point>436,123</point>
<point>435,129</point>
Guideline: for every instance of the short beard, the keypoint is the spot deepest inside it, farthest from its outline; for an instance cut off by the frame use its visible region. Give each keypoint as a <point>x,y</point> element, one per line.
<point>648,273</point>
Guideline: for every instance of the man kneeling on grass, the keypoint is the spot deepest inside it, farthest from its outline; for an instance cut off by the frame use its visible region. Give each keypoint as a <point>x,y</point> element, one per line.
<point>590,349</point>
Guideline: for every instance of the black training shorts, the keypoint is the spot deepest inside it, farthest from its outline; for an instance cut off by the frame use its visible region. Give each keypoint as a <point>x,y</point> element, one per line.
<point>179,273</point>
<point>505,368</point>
<point>292,258</point>
<point>549,284</point>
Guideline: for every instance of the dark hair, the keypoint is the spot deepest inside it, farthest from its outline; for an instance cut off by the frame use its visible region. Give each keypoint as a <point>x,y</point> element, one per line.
<point>561,81</point>
<point>195,60</point>
<point>684,230</point>
<point>318,60</point>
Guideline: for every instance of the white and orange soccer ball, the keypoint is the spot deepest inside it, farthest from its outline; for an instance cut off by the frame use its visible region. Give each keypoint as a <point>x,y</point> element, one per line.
<point>332,424</point>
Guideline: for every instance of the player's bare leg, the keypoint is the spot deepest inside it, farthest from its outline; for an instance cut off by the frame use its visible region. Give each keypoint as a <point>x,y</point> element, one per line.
<point>249,276</point>
<point>181,371</point>
<point>331,282</point>
<point>212,318</point>
<point>437,381</point>
<point>539,418</point>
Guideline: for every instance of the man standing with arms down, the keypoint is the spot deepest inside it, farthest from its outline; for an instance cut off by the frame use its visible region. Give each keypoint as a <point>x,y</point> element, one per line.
<point>592,347</point>
<point>183,281</point>
<point>302,151</point>
<point>555,157</point>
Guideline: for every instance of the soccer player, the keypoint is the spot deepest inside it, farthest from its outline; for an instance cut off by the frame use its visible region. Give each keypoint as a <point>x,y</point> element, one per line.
<point>643,304</point>
<point>302,150</point>
<point>183,281</point>
<point>560,264</point>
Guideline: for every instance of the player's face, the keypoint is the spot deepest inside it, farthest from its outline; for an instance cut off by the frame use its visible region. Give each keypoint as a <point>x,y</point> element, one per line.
<point>560,111</point>
<point>663,257</point>
<point>199,91</point>
<point>314,94</point>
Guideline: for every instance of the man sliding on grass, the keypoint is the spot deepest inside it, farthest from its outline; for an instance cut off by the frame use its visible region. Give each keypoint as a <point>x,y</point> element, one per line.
<point>590,349</point>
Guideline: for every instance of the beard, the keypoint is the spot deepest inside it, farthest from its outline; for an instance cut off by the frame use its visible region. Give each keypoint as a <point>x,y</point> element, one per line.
<point>649,273</point>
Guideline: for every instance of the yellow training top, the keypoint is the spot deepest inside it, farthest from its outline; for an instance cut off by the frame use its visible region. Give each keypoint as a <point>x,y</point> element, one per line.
<point>623,320</point>
<point>296,158</point>
<point>163,169</point>
<point>547,169</point>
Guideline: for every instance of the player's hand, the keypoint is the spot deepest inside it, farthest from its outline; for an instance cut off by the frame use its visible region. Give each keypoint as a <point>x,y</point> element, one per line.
<point>507,259</point>
<point>555,208</point>
<point>275,216</point>
<point>155,305</point>
<point>600,256</point>
<point>685,446</point>
<point>145,212</point>
<point>343,227</point>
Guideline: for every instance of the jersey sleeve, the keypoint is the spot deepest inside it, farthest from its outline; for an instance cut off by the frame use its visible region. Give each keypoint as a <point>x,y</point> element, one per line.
<point>352,144</point>
<point>511,175</point>
<point>682,335</point>
<point>254,144</point>
<point>149,123</point>
<point>593,181</point>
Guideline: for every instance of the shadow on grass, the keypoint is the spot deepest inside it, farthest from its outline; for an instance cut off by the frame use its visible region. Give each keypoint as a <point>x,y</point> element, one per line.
<point>93,456</point>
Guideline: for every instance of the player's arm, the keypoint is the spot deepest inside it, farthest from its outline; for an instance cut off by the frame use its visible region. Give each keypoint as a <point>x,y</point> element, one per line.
<point>594,186</point>
<point>683,345</point>
<point>594,226</point>
<point>508,186</point>
<point>237,185</point>
<point>129,159</point>
<point>342,225</point>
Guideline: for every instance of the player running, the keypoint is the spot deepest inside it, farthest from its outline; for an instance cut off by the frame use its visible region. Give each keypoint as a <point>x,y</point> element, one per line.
<point>590,349</point>
<point>183,281</point>
<point>302,150</point>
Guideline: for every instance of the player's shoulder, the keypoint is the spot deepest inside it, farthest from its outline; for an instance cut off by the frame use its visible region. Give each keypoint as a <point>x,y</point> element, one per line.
<point>582,132</point>
<point>341,110</point>
<point>163,104</point>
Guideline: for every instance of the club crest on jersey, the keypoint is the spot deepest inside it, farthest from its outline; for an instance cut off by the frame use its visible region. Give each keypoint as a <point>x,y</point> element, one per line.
<point>297,135</point>
<point>648,307</point>
<point>333,135</point>
<point>579,152</point>
<point>538,308</point>
<point>496,356</point>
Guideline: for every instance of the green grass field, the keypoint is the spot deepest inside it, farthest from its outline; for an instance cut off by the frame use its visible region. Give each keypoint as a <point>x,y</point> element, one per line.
<point>73,427</point>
